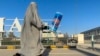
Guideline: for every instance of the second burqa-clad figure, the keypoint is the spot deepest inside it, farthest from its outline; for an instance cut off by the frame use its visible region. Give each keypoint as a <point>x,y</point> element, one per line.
<point>31,33</point>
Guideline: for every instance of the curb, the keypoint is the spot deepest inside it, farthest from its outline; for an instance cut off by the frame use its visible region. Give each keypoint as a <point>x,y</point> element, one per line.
<point>64,47</point>
<point>11,47</point>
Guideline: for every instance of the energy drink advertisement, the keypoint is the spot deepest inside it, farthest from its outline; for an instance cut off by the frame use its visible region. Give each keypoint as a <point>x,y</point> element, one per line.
<point>56,21</point>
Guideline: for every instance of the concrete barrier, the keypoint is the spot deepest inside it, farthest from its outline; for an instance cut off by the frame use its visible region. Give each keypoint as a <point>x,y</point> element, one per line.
<point>11,47</point>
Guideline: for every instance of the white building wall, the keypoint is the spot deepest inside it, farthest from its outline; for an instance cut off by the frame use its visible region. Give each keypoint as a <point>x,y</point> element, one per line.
<point>1,24</point>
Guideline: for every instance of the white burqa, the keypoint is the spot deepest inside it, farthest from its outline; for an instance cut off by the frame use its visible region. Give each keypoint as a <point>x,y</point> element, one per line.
<point>30,35</point>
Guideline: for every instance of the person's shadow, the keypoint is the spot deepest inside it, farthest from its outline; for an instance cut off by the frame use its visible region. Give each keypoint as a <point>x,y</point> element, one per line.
<point>46,52</point>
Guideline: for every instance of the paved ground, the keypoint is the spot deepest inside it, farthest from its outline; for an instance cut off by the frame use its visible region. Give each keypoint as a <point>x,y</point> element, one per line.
<point>54,52</point>
<point>89,45</point>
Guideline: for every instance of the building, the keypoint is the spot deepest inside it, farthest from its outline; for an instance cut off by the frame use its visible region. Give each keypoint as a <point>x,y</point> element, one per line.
<point>88,35</point>
<point>94,31</point>
<point>79,38</point>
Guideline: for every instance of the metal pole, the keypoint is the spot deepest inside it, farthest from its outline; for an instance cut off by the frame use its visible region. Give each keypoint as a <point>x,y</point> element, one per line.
<point>92,42</point>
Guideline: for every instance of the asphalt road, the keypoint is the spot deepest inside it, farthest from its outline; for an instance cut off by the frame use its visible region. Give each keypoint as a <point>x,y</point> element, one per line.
<point>49,52</point>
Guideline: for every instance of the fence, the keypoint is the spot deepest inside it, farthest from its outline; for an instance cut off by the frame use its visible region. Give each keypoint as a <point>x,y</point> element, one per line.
<point>96,39</point>
<point>45,41</point>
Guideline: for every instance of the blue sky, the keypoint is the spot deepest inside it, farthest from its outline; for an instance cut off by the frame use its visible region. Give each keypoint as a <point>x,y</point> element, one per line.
<point>78,15</point>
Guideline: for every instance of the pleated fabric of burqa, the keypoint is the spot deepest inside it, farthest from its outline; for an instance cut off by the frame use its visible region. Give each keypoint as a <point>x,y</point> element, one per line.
<point>31,33</point>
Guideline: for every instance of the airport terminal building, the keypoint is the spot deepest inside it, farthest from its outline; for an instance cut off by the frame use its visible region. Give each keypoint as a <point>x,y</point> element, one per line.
<point>94,31</point>
<point>88,35</point>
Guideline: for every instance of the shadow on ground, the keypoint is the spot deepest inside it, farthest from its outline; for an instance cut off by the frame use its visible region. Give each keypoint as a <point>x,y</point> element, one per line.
<point>84,52</point>
<point>46,52</point>
<point>94,49</point>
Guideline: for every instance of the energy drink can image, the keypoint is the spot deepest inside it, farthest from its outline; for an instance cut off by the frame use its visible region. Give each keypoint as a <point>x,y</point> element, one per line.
<point>56,21</point>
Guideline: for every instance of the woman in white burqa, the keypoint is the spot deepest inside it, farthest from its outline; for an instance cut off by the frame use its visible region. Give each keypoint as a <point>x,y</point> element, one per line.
<point>30,35</point>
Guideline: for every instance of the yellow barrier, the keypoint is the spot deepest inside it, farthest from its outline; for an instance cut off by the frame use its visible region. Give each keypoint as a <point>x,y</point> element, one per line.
<point>10,47</point>
<point>53,47</point>
<point>65,46</point>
